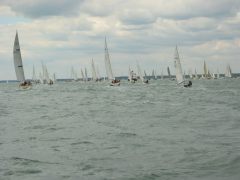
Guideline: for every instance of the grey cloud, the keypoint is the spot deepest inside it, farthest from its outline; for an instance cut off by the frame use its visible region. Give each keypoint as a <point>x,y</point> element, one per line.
<point>42,8</point>
<point>137,17</point>
<point>205,8</point>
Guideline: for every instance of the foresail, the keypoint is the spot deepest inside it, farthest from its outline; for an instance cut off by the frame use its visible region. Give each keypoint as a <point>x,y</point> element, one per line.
<point>178,67</point>
<point>18,60</point>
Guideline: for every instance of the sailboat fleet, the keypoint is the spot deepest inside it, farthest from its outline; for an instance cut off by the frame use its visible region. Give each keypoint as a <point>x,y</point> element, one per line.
<point>133,77</point>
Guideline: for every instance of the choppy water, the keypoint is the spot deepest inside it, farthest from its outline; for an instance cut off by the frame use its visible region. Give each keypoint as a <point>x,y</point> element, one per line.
<point>94,131</point>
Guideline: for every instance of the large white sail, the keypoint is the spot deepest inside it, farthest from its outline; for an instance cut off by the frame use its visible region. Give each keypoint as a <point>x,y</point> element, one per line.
<point>18,60</point>
<point>108,63</point>
<point>178,67</point>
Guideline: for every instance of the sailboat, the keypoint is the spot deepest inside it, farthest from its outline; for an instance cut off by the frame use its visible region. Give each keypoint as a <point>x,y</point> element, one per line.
<point>46,79</point>
<point>83,77</point>
<point>195,76</point>
<point>86,74</point>
<point>207,74</point>
<point>140,74</point>
<point>34,77</point>
<point>179,75</point>
<point>94,74</point>
<point>73,75</point>
<point>132,76</point>
<point>114,82</point>
<point>19,65</point>
<point>228,73</point>
<point>169,73</point>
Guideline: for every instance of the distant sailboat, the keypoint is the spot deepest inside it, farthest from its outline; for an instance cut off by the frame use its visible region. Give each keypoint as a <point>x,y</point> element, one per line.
<point>34,77</point>
<point>178,68</point>
<point>162,76</point>
<point>140,74</point>
<point>54,78</point>
<point>108,66</point>
<point>207,74</point>
<point>74,76</point>
<point>169,73</point>
<point>19,65</point>
<point>154,76</point>
<point>86,75</point>
<point>196,76</point>
<point>132,76</point>
<point>228,73</point>
<point>94,74</point>
<point>218,75</point>
<point>83,77</point>
<point>46,78</point>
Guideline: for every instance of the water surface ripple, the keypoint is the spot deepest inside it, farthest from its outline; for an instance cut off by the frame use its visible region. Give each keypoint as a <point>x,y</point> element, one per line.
<point>94,131</point>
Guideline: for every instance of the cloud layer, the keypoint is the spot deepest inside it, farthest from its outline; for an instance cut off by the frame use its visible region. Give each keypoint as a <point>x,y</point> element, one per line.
<point>71,32</point>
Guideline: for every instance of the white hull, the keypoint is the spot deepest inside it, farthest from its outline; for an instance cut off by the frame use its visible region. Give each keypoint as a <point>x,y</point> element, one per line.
<point>115,84</point>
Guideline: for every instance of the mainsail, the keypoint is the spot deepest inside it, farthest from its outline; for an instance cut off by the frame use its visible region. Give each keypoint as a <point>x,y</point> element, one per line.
<point>178,67</point>
<point>18,60</point>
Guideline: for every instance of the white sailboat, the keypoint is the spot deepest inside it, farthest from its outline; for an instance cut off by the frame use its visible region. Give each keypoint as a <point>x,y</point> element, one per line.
<point>98,74</point>
<point>207,74</point>
<point>196,76</point>
<point>54,78</point>
<point>46,77</point>
<point>108,67</point>
<point>228,73</point>
<point>86,75</point>
<point>83,77</point>
<point>218,75</point>
<point>94,74</point>
<point>34,77</point>
<point>162,76</point>
<point>140,74</point>
<point>74,76</point>
<point>19,65</point>
<point>169,73</point>
<point>178,67</point>
<point>132,76</point>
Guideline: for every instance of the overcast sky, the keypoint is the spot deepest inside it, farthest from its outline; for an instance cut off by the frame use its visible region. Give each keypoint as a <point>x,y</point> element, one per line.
<point>66,33</point>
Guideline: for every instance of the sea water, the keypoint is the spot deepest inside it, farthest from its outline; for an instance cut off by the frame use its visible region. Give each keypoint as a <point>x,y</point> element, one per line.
<point>76,130</point>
